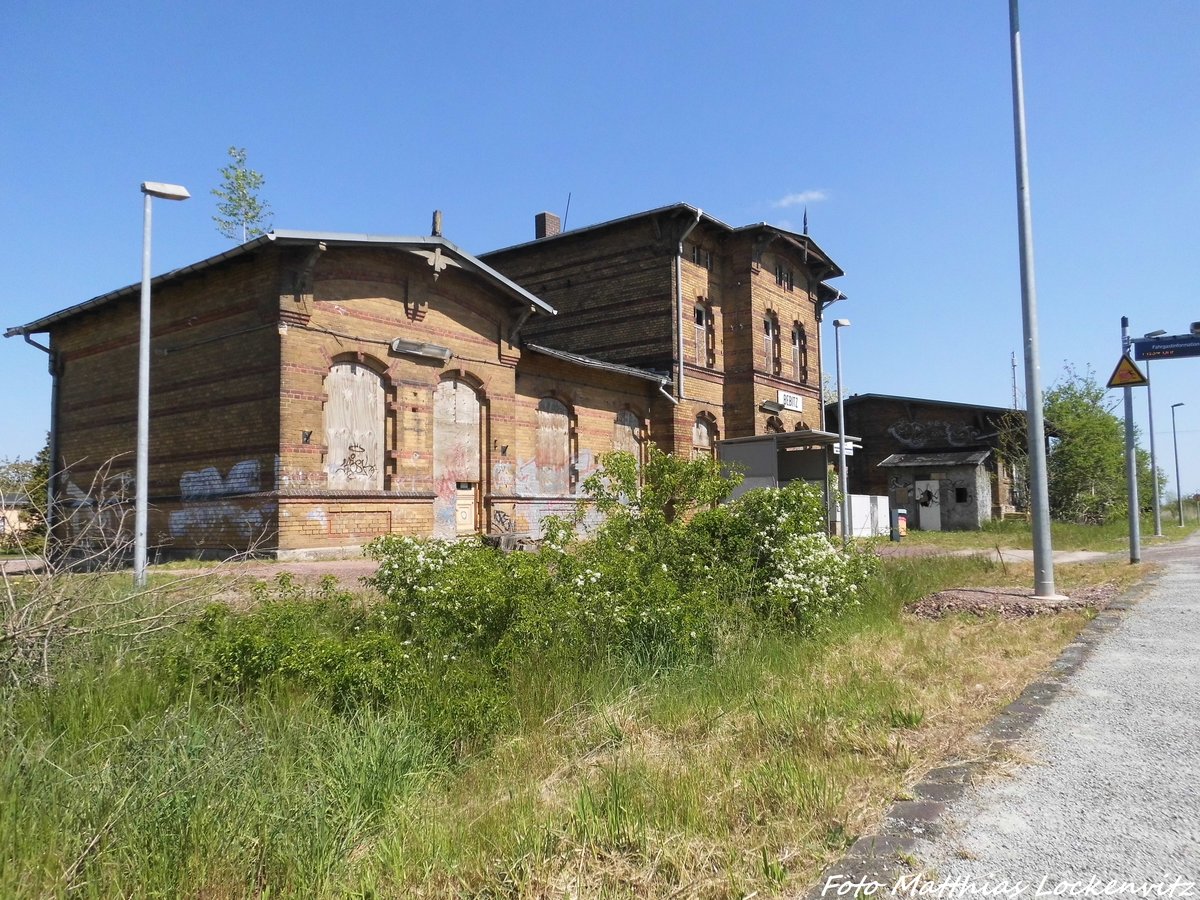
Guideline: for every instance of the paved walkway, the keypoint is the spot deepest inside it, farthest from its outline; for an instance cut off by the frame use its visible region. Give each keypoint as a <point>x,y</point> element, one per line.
<point>1100,791</point>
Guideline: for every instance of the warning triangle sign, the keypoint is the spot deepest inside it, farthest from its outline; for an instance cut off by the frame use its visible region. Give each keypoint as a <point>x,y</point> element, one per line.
<point>1127,374</point>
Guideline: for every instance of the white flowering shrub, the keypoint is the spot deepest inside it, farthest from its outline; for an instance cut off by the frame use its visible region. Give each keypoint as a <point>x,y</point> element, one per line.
<point>666,575</point>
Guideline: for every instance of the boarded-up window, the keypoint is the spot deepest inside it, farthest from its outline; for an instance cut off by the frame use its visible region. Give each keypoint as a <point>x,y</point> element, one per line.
<point>627,434</point>
<point>799,353</point>
<point>703,437</point>
<point>771,344</point>
<point>455,434</point>
<point>553,448</point>
<point>354,424</point>
<point>701,334</point>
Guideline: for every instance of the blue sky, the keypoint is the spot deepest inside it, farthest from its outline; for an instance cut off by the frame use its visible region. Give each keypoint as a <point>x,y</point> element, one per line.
<point>894,119</point>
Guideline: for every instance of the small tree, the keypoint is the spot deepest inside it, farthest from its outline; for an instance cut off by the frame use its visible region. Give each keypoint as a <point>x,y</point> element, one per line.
<point>29,480</point>
<point>240,211</point>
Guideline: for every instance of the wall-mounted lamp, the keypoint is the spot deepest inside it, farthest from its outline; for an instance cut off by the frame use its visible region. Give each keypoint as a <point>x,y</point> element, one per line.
<point>770,406</point>
<point>416,348</point>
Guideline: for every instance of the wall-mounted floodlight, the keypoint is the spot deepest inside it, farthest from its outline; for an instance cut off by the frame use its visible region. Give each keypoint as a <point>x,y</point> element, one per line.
<point>416,348</point>
<point>770,406</point>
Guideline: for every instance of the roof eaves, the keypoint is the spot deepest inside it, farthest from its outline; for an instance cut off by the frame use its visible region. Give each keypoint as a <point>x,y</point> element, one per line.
<point>290,236</point>
<point>674,207</point>
<point>473,262</point>
<point>592,363</point>
<point>854,398</point>
<point>44,323</point>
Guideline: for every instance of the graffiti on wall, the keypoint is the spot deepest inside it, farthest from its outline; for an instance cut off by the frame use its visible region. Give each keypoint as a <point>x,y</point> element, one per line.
<point>916,435</point>
<point>209,514</point>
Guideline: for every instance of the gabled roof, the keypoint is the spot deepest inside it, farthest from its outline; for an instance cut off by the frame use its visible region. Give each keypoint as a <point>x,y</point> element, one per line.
<point>801,242</point>
<point>430,247</point>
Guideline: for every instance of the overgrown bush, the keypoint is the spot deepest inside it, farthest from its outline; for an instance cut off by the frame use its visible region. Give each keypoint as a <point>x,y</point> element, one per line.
<point>668,577</point>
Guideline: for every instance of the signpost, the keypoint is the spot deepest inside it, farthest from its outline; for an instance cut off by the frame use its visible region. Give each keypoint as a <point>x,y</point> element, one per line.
<point>1127,376</point>
<point>1170,347</point>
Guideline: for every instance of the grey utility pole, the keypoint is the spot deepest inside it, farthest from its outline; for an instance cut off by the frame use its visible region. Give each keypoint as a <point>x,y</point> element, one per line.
<point>1039,499</point>
<point>1175,442</point>
<point>1158,532</point>
<point>1135,522</point>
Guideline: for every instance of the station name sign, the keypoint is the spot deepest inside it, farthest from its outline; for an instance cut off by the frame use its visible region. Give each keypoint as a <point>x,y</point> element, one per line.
<point>788,400</point>
<point>1167,347</point>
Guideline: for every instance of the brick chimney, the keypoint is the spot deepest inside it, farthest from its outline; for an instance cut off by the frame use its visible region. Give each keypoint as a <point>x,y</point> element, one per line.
<point>546,224</point>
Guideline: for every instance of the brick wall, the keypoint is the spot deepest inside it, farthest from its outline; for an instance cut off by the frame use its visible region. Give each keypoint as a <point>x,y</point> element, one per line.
<point>213,380</point>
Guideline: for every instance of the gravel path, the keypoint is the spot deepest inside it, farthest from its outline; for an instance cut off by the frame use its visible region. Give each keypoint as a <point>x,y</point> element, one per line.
<point>1110,787</point>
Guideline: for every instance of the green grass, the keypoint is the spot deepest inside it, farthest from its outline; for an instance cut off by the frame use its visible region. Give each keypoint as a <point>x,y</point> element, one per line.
<point>744,773</point>
<point>1109,538</point>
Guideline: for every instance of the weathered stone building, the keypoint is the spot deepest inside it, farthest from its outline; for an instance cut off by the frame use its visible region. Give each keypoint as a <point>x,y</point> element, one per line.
<point>939,460</point>
<point>732,315</point>
<point>310,391</point>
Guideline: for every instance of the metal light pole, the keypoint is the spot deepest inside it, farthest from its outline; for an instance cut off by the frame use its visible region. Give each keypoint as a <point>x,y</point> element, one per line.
<point>166,192</point>
<point>1153,458</point>
<point>838,325</point>
<point>1043,554</point>
<point>1175,441</point>
<point>1135,519</point>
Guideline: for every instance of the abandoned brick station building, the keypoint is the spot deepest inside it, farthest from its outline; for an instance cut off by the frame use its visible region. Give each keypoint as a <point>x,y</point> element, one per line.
<point>311,391</point>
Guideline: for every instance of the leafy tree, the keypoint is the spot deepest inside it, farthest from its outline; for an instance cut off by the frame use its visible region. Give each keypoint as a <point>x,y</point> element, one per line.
<point>240,211</point>
<point>1086,463</point>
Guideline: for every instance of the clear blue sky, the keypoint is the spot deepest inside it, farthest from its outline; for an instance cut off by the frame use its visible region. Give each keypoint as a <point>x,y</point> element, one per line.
<point>895,119</point>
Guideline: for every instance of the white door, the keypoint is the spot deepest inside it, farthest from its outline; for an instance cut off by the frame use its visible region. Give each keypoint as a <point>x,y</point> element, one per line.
<point>929,508</point>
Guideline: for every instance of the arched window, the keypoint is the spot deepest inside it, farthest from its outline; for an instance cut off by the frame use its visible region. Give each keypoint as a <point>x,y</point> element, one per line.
<point>775,425</point>
<point>704,435</point>
<point>799,353</point>
<point>354,427</point>
<point>628,434</point>
<point>553,448</point>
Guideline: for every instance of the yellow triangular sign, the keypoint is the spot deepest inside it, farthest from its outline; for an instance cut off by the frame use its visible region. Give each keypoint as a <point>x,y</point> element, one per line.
<point>1127,374</point>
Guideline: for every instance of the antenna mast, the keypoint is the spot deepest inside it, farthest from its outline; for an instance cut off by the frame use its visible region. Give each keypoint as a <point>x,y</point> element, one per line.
<point>1016,405</point>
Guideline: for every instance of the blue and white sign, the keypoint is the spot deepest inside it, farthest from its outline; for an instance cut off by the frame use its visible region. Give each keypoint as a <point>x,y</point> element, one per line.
<point>1167,347</point>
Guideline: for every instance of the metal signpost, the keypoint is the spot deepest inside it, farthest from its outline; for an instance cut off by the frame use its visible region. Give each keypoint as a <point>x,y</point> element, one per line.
<point>1127,376</point>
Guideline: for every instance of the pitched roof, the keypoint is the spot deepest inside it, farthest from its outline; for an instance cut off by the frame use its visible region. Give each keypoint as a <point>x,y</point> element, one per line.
<point>801,242</point>
<point>935,460</point>
<point>421,245</point>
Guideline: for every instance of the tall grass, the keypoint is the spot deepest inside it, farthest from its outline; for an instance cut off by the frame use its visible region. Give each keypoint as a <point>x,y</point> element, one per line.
<point>739,772</point>
<point>114,783</point>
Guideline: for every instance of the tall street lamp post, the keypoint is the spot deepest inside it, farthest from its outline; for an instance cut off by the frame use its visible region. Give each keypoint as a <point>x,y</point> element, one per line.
<point>1039,494</point>
<point>1175,442</point>
<point>1153,458</point>
<point>150,189</point>
<point>838,325</point>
